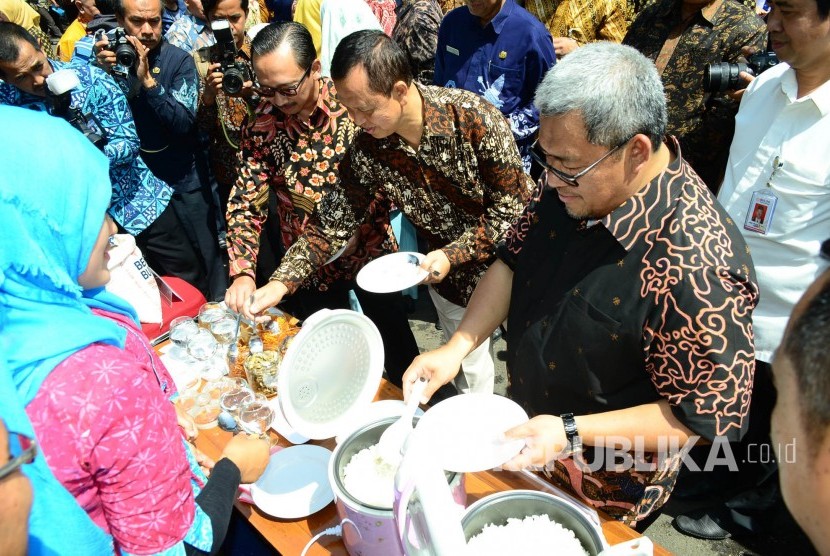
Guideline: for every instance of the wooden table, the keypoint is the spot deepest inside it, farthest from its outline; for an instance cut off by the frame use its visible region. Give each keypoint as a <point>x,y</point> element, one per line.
<point>289,537</point>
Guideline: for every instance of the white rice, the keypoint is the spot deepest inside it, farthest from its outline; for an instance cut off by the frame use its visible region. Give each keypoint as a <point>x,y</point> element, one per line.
<point>535,534</point>
<point>370,479</point>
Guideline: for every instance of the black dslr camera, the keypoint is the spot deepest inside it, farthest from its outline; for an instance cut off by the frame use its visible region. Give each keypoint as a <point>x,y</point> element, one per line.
<point>721,77</point>
<point>235,73</point>
<point>125,54</point>
<point>59,86</point>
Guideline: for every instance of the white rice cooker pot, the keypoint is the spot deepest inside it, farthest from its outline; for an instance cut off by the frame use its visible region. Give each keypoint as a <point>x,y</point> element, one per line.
<point>375,533</point>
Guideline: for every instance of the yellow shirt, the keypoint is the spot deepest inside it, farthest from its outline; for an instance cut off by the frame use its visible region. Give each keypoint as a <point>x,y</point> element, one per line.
<point>307,12</point>
<point>67,43</point>
<point>21,13</point>
<point>583,20</point>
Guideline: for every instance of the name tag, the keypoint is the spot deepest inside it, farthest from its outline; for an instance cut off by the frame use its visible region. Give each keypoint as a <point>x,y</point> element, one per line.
<point>452,50</point>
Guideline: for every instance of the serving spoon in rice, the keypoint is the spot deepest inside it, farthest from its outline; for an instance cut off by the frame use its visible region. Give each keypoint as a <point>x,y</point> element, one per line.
<point>393,438</point>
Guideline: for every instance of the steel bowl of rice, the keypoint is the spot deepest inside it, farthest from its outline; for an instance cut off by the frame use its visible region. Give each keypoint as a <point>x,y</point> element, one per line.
<point>521,521</point>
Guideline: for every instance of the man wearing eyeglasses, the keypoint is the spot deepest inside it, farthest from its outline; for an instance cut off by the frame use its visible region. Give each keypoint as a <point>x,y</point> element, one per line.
<point>628,294</point>
<point>293,147</point>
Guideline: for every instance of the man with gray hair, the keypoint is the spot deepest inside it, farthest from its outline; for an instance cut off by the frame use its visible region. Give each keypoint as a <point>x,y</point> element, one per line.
<point>628,293</point>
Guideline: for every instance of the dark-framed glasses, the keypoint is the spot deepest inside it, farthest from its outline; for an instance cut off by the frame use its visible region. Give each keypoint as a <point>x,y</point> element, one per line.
<point>541,157</point>
<point>290,91</point>
<point>28,451</point>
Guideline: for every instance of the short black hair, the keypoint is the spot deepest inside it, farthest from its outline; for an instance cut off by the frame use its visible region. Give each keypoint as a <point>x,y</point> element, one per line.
<point>106,7</point>
<point>295,34</point>
<point>384,61</point>
<point>11,35</point>
<point>805,346</point>
<point>823,8</point>
<point>210,5</point>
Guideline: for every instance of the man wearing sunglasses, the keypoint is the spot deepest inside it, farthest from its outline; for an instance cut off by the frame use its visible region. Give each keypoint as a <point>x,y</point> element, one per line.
<point>628,294</point>
<point>293,148</point>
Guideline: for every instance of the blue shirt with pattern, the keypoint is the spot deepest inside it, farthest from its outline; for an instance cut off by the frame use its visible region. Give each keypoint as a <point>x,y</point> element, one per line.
<point>187,30</point>
<point>138,197</point>
<point>504,61</point>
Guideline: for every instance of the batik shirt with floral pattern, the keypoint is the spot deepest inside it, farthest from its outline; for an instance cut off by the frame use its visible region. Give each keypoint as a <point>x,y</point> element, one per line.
<point>461,188</point>
<point>703,122</point>
<point>299,161</point>
<point>650,303</point>
<point>583,20</point>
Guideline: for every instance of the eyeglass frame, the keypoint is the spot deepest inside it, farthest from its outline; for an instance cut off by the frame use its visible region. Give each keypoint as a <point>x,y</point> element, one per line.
<point>282,91</point>
<point>27,455</point>
<point>569,178</point>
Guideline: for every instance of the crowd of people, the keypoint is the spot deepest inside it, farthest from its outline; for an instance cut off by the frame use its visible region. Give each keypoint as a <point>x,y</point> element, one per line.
<point>636,193</point>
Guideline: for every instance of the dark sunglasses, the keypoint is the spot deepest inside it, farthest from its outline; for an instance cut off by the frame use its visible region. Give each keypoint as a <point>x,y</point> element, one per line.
<point>541,156</point>
<point>28,451</point>
<point>268,92</point>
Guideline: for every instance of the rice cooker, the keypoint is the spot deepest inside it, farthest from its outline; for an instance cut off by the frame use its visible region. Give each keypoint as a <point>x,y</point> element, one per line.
<point>327,380</point>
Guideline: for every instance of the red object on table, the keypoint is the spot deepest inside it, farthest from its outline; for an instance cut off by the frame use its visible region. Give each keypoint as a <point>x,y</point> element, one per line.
<point>188,302</point>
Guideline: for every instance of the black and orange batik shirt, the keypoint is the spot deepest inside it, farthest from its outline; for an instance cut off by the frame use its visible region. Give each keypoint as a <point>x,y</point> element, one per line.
<point>652,302</point>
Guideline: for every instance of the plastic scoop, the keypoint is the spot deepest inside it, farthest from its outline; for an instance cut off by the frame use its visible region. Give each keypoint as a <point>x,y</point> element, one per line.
<point>393,438</point>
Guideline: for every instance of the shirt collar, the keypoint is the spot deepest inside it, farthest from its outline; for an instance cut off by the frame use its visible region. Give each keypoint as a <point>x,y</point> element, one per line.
<point>820,97</point>
<point>501,17</point>
<point>644,210</point>
<point>327,105</point>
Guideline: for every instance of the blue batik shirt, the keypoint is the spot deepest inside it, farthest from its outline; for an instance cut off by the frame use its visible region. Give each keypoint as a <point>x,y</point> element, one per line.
<point>188,29</point>
<point>138,197</point>
<point>168,17</point>
<point>504,61</point>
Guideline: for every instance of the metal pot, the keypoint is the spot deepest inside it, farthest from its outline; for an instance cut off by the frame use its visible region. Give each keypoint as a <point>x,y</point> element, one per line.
<point>375,533</point>
<point>497,508</point>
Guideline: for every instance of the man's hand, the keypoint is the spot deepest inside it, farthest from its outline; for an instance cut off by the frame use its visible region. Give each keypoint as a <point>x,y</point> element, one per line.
<point>545,440</point>
<point>267,296</point>
<point>250,454</point>
<point>439,367</point>
<point>213,84</point>
<point>239,292</point>
<point>437,266</point>
<point>142,68</point>
<point>104,56</point>
<point>738,93</point>
<point>564,45</point>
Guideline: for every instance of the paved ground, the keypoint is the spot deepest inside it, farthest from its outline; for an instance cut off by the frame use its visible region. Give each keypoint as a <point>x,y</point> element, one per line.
<point>781,538</point>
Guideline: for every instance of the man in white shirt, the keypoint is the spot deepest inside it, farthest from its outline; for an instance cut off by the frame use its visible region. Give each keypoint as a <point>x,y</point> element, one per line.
<point>777,189</point>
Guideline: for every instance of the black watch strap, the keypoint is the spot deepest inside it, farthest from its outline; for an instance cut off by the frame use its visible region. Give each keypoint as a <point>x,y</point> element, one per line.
<point>574,441</point>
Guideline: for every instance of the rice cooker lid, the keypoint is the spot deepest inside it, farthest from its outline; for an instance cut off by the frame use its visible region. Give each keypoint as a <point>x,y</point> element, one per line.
<point>330,372</point>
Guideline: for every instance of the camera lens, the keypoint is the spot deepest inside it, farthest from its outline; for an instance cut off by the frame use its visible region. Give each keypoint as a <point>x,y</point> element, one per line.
<point>721,77</point>
<point>125,55</point>
<point>232,81</point>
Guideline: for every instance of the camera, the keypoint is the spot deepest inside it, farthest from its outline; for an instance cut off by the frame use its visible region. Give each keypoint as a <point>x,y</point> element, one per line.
<point>721,77</point>
<point>234,72</point>
<point>59,87</point>
<point>125,54</point>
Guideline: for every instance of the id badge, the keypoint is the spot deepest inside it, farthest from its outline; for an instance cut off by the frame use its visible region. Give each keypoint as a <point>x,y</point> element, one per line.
<point>760,212</point>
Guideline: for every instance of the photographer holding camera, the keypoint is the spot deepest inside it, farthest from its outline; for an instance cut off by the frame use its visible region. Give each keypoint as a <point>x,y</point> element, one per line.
<point>95,105</point>
<point>226,85</point>
<point>164,108</point>
<point>682,37</point>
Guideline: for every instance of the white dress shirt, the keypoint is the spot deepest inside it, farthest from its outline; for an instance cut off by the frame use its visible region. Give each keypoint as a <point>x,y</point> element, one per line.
<point>772,122</point>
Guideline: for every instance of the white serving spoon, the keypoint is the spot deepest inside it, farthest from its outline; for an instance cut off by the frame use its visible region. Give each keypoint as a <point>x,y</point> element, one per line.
<point>392,440</point>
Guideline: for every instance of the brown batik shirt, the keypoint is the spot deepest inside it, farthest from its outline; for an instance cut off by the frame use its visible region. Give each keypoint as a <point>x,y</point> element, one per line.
<point>461,188</point>
<point>653,302</point>
<point>703,122</point>
<point>299,161</point>
<point>416,32</point>
<point>583,20</point>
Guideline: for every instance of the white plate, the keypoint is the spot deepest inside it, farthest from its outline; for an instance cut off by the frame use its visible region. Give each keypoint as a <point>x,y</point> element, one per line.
<point>463,432</point>
<point>280,424</point>
<point>391,273</point>
<point>295,483</point>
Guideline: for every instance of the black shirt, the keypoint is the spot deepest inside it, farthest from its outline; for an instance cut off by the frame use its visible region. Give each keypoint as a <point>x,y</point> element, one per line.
<point>652,302</point>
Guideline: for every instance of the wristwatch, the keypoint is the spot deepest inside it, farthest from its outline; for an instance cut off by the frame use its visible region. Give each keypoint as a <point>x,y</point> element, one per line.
<point>574,440</point>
